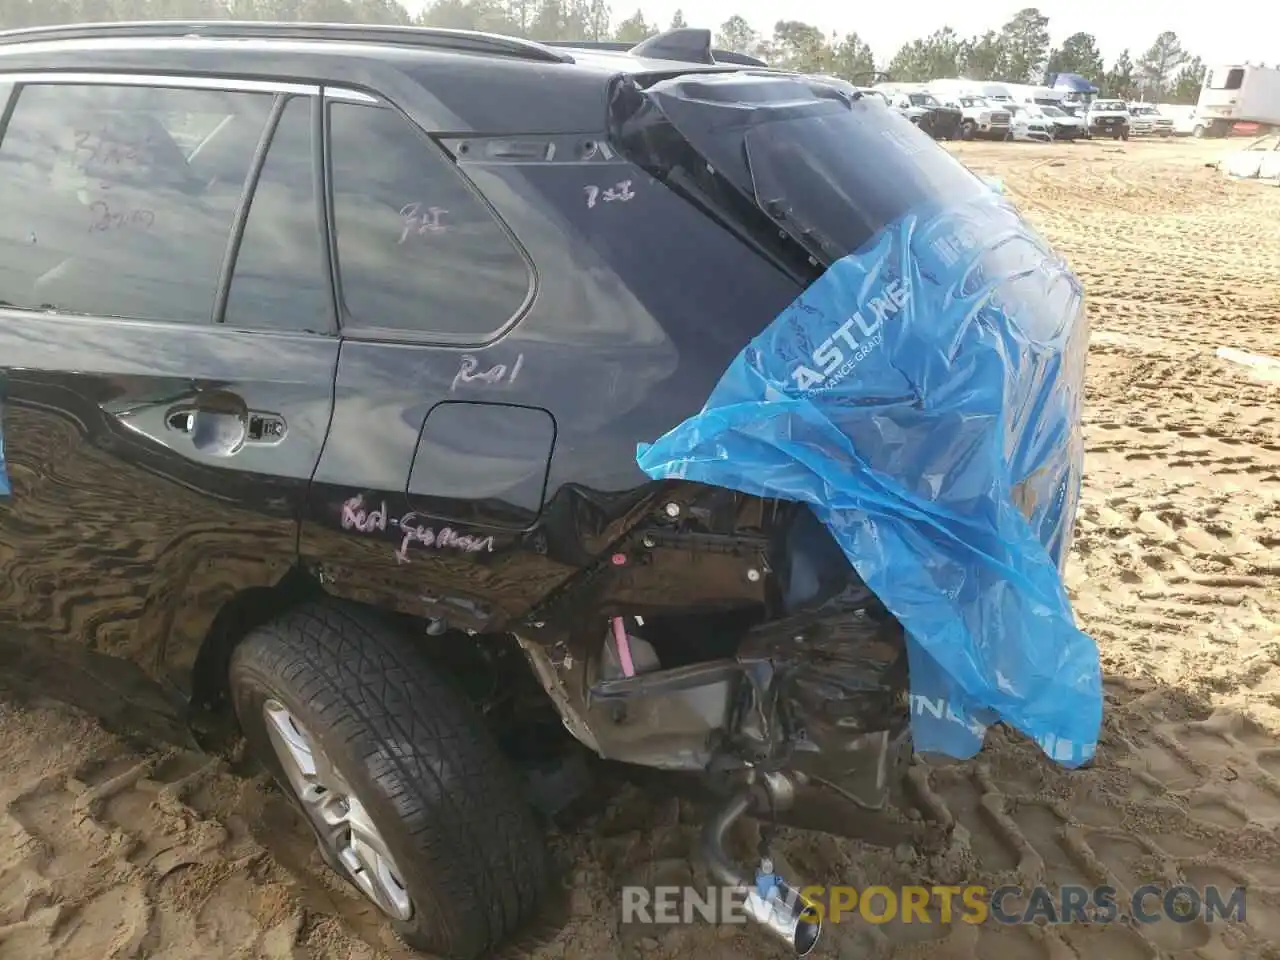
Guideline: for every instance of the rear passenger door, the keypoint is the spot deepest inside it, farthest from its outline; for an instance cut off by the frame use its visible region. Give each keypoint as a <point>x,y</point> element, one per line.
<point>167,351</point>
<point>438,454</point>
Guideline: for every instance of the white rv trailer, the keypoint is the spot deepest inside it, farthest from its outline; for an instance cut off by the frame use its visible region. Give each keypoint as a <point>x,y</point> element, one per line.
<point>952,86</point>
<point>987,89</point>
<point>1031,93</point>
<point>1237,93</point>
<point>995,92</point>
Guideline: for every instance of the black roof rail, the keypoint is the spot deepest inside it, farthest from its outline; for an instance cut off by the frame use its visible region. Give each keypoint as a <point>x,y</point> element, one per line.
<point>694,51</point>
<point>464,40</point>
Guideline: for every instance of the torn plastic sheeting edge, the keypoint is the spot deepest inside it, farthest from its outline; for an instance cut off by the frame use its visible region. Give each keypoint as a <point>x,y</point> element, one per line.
<point>991,635</point>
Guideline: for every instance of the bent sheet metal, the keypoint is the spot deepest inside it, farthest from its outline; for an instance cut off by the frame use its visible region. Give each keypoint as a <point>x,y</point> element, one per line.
<point>923,398</point>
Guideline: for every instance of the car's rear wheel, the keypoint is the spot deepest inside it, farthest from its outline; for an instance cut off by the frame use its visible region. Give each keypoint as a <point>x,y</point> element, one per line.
<point>408,795</point>
<point>967,129</point>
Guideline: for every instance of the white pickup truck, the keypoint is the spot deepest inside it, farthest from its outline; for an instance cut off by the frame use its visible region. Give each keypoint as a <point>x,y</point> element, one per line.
<point>979,117</point>
<point>1107,118</point>
<point>1146,120</point>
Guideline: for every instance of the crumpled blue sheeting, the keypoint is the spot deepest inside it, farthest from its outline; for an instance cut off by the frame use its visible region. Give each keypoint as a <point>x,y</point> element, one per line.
<point>923,398</point>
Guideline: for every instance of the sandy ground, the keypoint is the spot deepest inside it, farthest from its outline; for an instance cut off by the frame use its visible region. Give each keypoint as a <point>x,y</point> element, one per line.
<point>113,848</point>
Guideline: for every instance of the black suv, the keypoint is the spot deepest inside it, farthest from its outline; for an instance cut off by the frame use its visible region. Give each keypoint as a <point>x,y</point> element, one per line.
<point>325,351</point>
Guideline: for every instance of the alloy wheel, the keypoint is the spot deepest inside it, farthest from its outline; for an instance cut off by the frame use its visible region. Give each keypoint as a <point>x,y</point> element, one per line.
<point>343,826</point>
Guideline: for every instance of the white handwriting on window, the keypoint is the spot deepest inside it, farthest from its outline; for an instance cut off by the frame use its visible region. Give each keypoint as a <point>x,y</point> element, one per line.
<point>619,191</point>
<point>415,221</point>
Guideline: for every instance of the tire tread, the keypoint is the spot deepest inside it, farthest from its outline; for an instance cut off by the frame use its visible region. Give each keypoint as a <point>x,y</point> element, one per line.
<point>429,754</point>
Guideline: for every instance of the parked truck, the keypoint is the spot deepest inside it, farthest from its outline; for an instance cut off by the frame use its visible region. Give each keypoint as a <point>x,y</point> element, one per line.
<point>1238,93</point>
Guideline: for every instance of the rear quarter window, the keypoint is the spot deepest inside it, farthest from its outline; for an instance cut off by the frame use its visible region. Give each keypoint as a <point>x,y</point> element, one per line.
<point>418,250</point>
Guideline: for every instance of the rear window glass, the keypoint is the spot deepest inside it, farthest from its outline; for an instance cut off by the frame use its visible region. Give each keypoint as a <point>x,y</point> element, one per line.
<point>832,173</point>
<point>847,175</point>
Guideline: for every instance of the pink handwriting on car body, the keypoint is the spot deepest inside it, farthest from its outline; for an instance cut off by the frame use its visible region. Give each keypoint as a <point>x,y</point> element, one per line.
<point>356,517</point>
<point>619,191</point>
<point>467,372</point>
<point>102,218</point>
<point>446,538</point>
<point>416,221</point>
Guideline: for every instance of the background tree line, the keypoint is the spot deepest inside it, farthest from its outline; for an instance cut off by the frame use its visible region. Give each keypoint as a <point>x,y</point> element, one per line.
<point>1019,52</point>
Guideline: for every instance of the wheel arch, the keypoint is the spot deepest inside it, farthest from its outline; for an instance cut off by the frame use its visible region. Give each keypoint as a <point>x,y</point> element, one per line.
<point>245,610</point>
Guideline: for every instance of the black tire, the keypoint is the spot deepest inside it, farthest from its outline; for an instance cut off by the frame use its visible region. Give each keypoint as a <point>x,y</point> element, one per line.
<point>419,759</point>
<point>1124,135</point>
<point>967,130</point>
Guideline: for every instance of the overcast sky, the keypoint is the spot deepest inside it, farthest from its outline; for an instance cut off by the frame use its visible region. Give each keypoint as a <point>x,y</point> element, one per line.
<point>1243,30</point>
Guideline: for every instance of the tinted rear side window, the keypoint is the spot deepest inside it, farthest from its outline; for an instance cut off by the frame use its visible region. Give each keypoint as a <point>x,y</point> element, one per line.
<point>417,250</point>
<point>104,208</point>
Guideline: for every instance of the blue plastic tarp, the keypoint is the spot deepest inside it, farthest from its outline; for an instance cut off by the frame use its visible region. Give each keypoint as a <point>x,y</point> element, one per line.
<point>923,398</point>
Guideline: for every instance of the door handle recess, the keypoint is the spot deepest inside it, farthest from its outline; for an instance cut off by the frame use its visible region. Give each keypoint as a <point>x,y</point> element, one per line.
<point>184,421</point>
<point>222,430</point>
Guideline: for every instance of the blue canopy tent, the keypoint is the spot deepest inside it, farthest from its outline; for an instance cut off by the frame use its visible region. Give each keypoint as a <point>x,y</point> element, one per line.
<point>1073,83</point>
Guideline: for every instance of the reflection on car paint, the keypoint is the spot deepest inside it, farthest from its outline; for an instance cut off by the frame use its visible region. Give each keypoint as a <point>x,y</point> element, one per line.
<point>619,191</point>
<point>418,221</point>
<point>495,374</point>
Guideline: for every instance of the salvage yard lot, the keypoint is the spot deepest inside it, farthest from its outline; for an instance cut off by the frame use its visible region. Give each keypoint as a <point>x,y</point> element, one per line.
<point>109,848</point>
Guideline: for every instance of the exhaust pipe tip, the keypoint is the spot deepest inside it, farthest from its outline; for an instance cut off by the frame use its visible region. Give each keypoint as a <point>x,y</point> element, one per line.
<point>807,938</point>
<point>788,916</point>
<point>782,910</point>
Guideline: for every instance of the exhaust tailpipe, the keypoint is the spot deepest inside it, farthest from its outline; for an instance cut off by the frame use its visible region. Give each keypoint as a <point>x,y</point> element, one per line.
<point>780,909</point>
